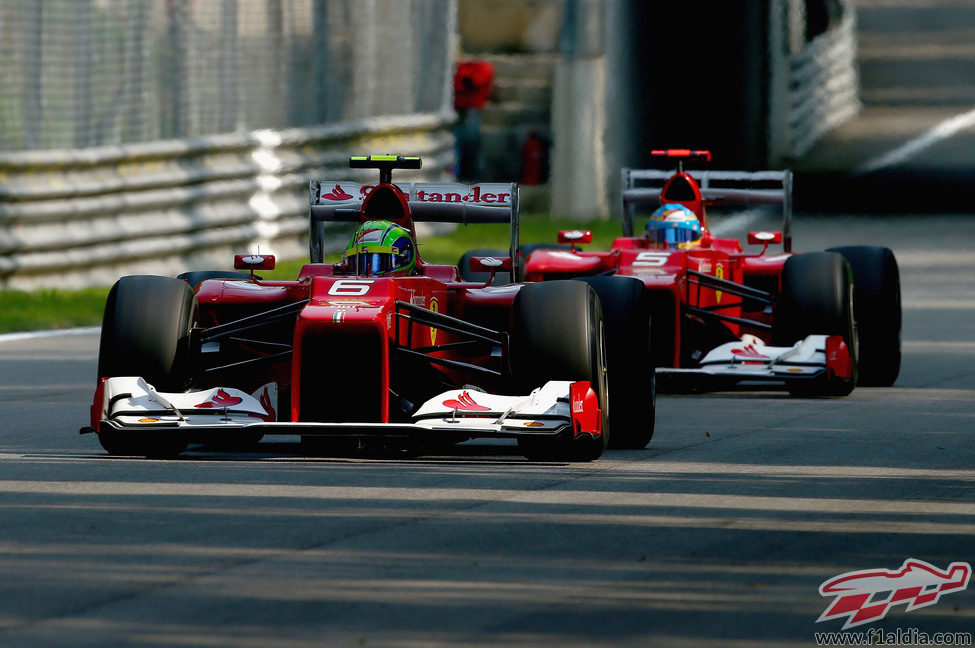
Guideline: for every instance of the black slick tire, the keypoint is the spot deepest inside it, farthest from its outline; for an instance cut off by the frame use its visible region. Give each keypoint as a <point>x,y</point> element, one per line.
<point>558,333</point>
<point>816,297</point>
<point>145,332</point>
<point>877,309</point>
<point>631,376</point>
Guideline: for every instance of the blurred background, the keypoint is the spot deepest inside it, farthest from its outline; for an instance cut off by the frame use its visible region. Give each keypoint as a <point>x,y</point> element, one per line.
<point>166,135</point>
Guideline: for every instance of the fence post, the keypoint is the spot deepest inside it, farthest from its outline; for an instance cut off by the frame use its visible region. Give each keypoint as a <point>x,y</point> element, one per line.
<point>779,45</point>
<point>84,39</point>
<point>34,78</point>
<point>579,115</point>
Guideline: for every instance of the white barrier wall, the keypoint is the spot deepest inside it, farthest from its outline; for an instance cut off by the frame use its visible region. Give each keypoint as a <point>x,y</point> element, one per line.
<point>824,85</point>
<point>77,217</point>
<point>815,83</point>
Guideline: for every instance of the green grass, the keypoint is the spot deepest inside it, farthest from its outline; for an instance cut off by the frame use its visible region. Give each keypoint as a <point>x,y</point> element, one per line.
<point>52,309</point>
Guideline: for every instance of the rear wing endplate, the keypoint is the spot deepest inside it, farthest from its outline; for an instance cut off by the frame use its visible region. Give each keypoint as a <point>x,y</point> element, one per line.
<point>737,188</point>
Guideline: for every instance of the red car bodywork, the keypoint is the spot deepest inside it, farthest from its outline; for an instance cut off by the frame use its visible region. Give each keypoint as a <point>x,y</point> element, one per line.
<point>695,288</point>
<point>373,317</point>
<point>419,354</point>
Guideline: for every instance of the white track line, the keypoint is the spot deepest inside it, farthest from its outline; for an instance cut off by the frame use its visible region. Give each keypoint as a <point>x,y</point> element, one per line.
<point>942,131</point>
<point>34,335</point>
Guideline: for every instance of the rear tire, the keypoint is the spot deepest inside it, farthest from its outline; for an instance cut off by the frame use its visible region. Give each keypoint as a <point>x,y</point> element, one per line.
<point>877,308</point>
<point>816,298</point>
<point>631,376</point>
<point>145,332</point>
<point>557,333</point>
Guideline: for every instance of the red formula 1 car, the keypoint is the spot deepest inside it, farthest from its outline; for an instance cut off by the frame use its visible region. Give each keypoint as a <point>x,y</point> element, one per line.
<point>380,348</point>
<point>816,323</point>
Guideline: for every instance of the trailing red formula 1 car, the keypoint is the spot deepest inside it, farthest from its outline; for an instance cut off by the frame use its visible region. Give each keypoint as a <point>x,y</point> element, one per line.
<point>816,323</point>
<point>379,348</point>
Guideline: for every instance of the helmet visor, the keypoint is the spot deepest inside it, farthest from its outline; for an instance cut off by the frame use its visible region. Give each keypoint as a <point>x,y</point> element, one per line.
<point>673,235</point>
<point>369,262</point>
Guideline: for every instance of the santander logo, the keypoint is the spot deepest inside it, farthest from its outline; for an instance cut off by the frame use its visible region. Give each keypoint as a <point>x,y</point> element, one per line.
<point>337,194</point>
<point>446,194</point>
<point>465,403</point>
<point>221,399</point>
<point>490,194</point>
<point>749,352</point>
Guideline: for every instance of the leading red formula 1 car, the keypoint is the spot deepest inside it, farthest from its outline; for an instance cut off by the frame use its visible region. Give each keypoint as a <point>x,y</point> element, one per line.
<point>816,323</point>
<point>380,347</point>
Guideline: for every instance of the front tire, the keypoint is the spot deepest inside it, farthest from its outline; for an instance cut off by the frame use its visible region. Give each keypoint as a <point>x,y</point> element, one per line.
<point>877,308</point>
<point>816,298</point>
<point>631,376</point>
<point>558,333</point>
<point>145,332</point>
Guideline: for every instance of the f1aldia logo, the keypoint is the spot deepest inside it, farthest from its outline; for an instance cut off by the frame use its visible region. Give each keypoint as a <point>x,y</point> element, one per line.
<point>866,595</point>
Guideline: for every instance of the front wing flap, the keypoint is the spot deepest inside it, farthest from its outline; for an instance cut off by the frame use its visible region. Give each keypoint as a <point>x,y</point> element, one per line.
<point>556,408</point>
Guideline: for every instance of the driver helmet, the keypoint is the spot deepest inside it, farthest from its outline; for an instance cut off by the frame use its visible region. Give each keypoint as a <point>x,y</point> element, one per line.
<point>380,248</point>
<point>674,226</point>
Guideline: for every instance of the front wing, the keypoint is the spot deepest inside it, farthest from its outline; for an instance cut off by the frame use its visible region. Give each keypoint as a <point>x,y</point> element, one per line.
<point>752,362</point>
<point>555,409</point>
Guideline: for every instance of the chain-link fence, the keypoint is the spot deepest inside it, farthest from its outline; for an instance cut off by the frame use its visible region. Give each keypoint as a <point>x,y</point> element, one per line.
<point>83,73</point>
<point>167,135</point>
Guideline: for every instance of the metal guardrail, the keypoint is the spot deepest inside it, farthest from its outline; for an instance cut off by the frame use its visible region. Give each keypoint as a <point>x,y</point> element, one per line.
<point>823,85</point>
<point>71,218</point>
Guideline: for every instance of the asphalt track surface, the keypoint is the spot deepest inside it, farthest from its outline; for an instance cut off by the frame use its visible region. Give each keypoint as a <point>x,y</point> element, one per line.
<point>718,534</point>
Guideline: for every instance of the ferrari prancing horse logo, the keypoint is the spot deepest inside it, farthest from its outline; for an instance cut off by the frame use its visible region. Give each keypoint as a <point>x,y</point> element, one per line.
<point>719,274</point>
<point>435,307</point>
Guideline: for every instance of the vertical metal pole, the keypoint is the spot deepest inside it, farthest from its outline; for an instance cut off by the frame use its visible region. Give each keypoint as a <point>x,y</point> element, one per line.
<point>279,72</point>
<point>320,64</point>
<point>84,40</point>
<point>134,109</point>
<point>229,99</point>
<point>579,114</point>
<point>34,77</point>
<point>778,136</point>
<point>176,72</point>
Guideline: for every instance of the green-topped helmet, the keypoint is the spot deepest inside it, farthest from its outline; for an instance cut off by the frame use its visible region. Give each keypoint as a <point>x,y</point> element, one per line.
<point>380,248</point>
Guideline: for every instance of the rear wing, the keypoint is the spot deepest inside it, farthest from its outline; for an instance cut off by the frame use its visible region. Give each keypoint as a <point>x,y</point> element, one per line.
<point>741,188</point>
<point>430,202</point>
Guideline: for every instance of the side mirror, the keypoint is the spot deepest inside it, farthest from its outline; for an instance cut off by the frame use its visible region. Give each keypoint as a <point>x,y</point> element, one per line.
<point>764,238</point>
<point>575,236</point>
<point>490,264</point>
<point>254,262</point>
